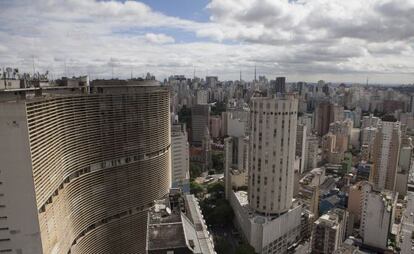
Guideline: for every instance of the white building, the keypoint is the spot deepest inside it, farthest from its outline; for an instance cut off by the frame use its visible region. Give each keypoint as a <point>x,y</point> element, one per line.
<point>272,153</point>
<point>236,160</point>
<point>370,121</point>
<point>385,155</point>
<point>266,234</point>
<point>312,150</point>
<point>377,218</point>
<point>202,97</point>
<point>268,216</point>
<point>180,171</point>
<point>301,146</point>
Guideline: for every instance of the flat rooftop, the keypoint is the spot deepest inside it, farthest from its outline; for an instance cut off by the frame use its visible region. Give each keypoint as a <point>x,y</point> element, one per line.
<point>166,236</point>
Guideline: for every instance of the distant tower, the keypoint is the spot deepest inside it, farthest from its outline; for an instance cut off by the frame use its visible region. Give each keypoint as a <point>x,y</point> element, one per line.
<point>255,80</point>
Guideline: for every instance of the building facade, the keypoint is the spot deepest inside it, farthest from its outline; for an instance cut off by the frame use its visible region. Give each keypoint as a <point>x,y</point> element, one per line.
<point>85,168</point>
<point>200,120</point>
<point>385,156</point>
<point>180,161</point>
<point>329,231</point>
<point>272,153</point>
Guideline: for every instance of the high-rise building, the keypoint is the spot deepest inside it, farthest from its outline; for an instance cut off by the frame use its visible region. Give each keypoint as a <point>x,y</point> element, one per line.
<point>325,114</point>
<point>329,231</point>
<point>272,153</point>
<point>370,121</point>
<point>268,216</point>
<point>404,166</point>
<point>202,97</point>
<point>367,140</point>
<point>377,218</point>
<point>215,126</point>
<point>280,85</point>
<point>312,150</point>
<point>180,162</point>
<point>236,159</point>
<point>301,134</point>
<point>200,120</point>
<point>385,155</point>
<point>357,196</point>
<point>79,170</point>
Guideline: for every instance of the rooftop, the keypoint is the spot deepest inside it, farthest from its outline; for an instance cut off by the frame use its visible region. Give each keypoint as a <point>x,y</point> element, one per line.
<point>176,222</point>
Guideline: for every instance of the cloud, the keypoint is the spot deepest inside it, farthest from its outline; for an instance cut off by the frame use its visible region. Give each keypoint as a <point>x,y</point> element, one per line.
<point>303,39</point>
<point>159,38</point>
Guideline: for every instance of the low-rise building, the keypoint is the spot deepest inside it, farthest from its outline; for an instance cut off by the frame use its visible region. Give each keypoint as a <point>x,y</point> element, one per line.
<point>176,225</point>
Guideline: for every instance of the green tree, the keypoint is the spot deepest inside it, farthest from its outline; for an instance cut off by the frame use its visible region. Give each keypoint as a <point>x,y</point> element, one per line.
<point>195,171</point>
<point>184,116</point>
<point>216,189</point>
<point>195,188</point>
<point>218,108</point>
<point>218,162</point>
<point>245,248</point>
<point>222,246</point>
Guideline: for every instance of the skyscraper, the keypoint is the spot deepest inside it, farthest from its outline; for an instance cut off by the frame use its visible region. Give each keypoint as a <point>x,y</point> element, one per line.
<point>272,150</point>
<point>79,170</point>
<point>385,155</point>
<point>280,85</point>
<point>268,216</point>
<point>325,114</point>
<point>180,162</point>
<point>200,120</point>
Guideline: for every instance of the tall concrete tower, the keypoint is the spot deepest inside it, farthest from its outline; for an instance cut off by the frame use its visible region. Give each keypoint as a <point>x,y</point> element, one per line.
<point>272,153</point>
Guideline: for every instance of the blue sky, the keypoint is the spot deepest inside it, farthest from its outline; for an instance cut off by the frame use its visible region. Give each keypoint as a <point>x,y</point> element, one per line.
<point>186,9</point>
<point>304,40</point>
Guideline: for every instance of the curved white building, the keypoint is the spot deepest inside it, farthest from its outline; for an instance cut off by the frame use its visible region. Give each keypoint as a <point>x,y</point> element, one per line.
<point>272,153</point>
<point>83,169</point>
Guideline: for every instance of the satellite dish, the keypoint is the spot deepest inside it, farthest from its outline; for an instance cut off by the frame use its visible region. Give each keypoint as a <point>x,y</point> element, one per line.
<point>168,210</point>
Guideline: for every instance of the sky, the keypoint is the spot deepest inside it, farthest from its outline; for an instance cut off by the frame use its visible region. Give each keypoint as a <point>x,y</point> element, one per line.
<point>304,40</point>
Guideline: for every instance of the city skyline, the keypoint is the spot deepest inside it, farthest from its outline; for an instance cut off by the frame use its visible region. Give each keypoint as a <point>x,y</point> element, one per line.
<point>305,40</point>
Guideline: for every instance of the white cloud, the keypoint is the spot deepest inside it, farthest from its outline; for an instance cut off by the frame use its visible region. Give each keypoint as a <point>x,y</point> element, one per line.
<point>303,39</point>
<point>159,38</point>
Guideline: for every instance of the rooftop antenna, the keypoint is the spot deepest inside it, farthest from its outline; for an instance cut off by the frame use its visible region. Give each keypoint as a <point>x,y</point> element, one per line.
<point>194,72</point>
<point>240,76</point>
<point>131,71</point>
<point>367,81</point>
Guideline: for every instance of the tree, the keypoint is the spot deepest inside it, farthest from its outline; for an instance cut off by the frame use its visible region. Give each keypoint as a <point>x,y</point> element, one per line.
<point>245,248</point>
<point>218,162</point>
<point>195,188</point>
<point>218,108</point>
<point>195,171</point>
<point>216,189</point>
<point>184,116</point>
<point>222,246</point>
<point>217,211</point>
